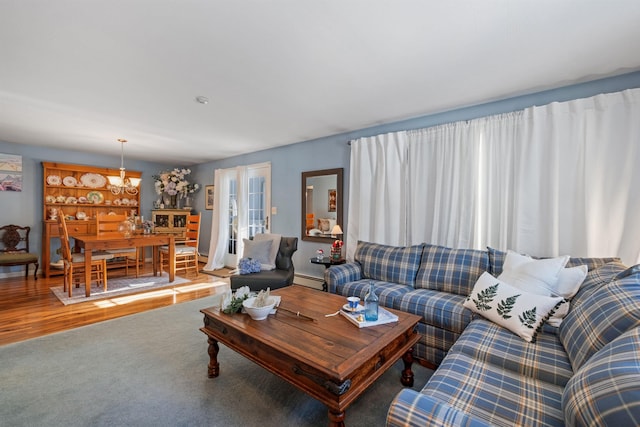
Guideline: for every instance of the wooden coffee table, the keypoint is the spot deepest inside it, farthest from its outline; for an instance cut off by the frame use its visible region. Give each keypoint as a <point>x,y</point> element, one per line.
<point>328,358</point>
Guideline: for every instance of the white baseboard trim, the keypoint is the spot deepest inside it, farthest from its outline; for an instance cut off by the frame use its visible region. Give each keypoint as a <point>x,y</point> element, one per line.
<point>309,281</point>
<point>19,273</point>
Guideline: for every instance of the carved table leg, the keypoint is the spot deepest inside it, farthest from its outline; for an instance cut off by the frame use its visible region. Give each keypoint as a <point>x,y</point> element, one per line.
<point>407,373</point>
<point>336,419</point>
<point>213,367</point>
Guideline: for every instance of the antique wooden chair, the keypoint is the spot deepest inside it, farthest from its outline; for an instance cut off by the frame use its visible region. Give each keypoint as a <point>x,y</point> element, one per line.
<point>109,223</point>
<point>74,262</point>
<point>15,248</point>
<point>186,253</point>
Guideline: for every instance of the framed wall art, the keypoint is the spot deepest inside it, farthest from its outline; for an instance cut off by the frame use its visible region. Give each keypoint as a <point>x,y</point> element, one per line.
<point>332,200</point>
<point>10,172</point>
<point>208,196</point>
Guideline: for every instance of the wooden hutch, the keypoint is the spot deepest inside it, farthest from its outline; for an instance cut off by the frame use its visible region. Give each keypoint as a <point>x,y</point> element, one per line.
<point>81,192</point>
<point>173,221</point>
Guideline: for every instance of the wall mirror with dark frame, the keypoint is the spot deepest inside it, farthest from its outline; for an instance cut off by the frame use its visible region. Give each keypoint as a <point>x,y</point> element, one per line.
<point>322,205</point>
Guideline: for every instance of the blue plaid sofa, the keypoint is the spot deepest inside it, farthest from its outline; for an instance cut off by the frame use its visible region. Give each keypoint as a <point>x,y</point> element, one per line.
<point>585,372</point>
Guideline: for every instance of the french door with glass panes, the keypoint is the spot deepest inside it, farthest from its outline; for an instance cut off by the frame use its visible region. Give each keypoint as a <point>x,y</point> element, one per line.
<point>249,207</point>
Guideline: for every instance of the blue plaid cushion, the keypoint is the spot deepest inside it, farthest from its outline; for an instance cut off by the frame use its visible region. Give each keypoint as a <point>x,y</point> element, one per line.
<point>603,316</point>
<point>597,278</point>
<point>430,354</point>
<point>496,259</point>
<point>410,408</point>
<point>337,275</point>
<point>546,360</point>
<point>606,390</point>
<point>389,263</point>
<point>439,309</point>
<point>498,396</point>
<point>451,270</point>
<point>438,338</point>
<point>628,272</point>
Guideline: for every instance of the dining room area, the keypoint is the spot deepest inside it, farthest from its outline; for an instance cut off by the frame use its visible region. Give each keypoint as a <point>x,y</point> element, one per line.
<point>96,238</point>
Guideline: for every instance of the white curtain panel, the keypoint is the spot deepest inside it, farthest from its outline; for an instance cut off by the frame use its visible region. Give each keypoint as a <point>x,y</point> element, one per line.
<point>550,180</point>
<point>588,197</point>
<point>462,182</point>
<point>378,191</point>
<point>219,219</point>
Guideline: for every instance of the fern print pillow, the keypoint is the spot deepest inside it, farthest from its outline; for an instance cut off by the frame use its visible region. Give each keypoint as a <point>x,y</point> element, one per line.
<point>521,312</point>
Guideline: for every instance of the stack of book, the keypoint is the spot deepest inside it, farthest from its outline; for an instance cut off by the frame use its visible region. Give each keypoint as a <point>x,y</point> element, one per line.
<point>384,316</point>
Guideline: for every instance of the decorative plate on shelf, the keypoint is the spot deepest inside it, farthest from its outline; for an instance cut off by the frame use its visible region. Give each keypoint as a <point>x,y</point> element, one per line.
<point>95,197</point>
<point>93,180</point>
<point>71,200</point>
<point>50,199</point>
<point>69,181</point>
<point>83,199</point>
<point>81,215</point>
<point>125,201</point>
<point>53,180</point>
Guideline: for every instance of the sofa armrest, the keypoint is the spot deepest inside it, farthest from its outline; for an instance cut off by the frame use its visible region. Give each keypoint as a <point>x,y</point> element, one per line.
<point>342,273</point>
<point>411,408</point>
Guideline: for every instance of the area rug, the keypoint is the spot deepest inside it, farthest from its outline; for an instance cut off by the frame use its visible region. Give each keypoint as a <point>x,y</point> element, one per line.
<point>150,369</point>
<point>221,272</point>
<point>118,287</point>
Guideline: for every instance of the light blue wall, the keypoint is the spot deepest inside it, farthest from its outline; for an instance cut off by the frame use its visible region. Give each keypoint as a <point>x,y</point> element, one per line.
<point>288,162</point>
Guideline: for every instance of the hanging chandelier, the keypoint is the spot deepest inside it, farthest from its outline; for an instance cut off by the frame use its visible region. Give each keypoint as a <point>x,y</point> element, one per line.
<point>121,184</point>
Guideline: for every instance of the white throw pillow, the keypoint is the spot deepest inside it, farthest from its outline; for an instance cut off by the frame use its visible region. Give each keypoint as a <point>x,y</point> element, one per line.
<point>520,312</point>
<point>569,281</point>
<point>257,250</point>
<point>275,247</point>
<point>537,276</point>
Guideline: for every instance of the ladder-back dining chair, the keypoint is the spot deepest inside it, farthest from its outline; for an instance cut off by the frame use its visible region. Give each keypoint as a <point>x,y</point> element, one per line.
<point>74,262</point>
<point>110,223</point>
<point>186,253</point>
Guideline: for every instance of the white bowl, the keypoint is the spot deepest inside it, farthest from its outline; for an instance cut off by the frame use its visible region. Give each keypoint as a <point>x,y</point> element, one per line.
<point>258,313</point>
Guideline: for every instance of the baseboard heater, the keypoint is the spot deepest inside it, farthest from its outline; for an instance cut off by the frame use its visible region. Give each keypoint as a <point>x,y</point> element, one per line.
<point>310,281</point>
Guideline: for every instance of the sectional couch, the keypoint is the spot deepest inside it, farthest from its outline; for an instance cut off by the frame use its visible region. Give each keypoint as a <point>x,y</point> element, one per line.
<point>586,371</point>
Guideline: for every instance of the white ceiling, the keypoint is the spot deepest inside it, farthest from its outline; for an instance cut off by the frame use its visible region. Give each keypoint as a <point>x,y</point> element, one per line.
<point>79,74</point>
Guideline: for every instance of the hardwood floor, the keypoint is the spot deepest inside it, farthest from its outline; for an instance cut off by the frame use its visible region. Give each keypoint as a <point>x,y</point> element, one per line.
<point>28,309</point>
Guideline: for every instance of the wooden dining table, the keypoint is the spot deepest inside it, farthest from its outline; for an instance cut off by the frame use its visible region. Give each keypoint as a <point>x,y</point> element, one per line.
<point>117,240</point>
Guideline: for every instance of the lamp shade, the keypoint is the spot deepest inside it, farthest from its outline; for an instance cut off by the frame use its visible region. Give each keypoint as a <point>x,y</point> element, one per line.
<point>115,180</point>
<point>336,230</point>
<point>135,181</point>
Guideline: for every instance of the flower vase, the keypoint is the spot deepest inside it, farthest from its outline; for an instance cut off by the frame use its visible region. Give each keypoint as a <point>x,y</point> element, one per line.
<point>187,202</point>
<point>166,200</point>
<point>173,201</point>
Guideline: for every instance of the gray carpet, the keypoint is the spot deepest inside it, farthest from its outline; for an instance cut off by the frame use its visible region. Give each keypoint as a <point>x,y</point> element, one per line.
<point>150,369</point>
